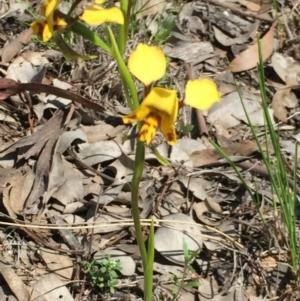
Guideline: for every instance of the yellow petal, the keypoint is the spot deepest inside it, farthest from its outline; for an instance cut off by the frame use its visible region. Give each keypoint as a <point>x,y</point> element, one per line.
<point>47,32</point>
<point>149,128</point>
<point>201,93</point>
<point>147,63</point>
<point>168,129</point>
<point>48,7</point>
<point>138,115</point>
<point>99,1</point>
<point>44,6</point>
<point>96,15</point>
<point>38,27</point>
<point>47,10</point>
<point>60,22</point>
<point>163,100</point>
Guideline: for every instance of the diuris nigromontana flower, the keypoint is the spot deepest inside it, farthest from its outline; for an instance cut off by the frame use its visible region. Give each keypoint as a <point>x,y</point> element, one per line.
<point>92,15</point>
<point>159,109</point>
<point>44,28</point>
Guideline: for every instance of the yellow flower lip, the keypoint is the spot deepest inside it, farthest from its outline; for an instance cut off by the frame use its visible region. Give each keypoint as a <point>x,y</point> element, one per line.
<point>147,63</point>
<point>158,110</point>
<point>201,93</point>
<point>160,107</point>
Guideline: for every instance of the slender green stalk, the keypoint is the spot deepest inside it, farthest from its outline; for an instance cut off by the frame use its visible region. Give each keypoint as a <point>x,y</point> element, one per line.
<point>137,174</point>
<point>148,275</point>
<point>128,83</point>
<point>123,30</point>
<point>296,250</point>
<point>132,100</point>
<point>278,174</point>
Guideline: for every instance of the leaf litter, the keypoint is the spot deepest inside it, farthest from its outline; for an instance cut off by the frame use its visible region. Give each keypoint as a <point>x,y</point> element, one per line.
<point>62,162</point>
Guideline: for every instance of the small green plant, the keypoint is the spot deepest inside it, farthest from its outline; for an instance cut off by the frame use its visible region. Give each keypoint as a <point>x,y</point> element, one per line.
<point>104,273</point>
<point>185,128</point>
<point>164,23</point>
<point>285,198</point>
<point>164,28</point>
<point>189,257</point>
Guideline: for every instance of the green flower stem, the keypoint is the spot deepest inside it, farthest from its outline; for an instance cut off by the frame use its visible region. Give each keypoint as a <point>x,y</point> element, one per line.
<point>128,83</point>
<point>137,174</point>
<point>148,275</point>
<point>123,31</point>
<point>133,103</point>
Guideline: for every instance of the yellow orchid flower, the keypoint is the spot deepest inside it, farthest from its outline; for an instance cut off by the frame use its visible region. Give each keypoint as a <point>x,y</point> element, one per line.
<point>160,107</point>
<point>147,63</point>
<point>201,93</point>
<point>158,110</point>
<point>96,15</point>
<point>45,27</point>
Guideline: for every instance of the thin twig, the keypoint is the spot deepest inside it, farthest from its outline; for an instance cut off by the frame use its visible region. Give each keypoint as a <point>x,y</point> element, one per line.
<point>99,173</point>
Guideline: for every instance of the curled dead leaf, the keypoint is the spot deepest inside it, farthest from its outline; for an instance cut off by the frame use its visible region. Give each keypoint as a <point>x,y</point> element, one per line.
<point>210,156</point>
<point>279,104</point>
<point>249,58</point>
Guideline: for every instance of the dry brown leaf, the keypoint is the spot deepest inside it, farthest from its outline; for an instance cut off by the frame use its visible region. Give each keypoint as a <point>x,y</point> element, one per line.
<point>232,107</point>
<point>226,40</point>
<point>168,239</point>
<point>101,132</point>
<point>286,68</point>
<point>70,190</point>
<point>39,138</point>
<point>281,64</point>
<point>279,104</point>
<point>253,6</point>
<point>190,52</point>
<point>249,58</point>
<point>13,48</point>
<point>122,169</point>
<point>208,289</point>
<point>149,7</point>
<point>50,288</point>
<point>14,196</point>
<point>208,205</point>
<point>99,152</point>
<point>210,156</point>
<point>110,220</point>
<point>268,263</point>
<point>14,282</point>
<point>45,159</point>
<point>11,175</point>
<point>195,185</point>
<point>59,264</point>
<point>28,67</point>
